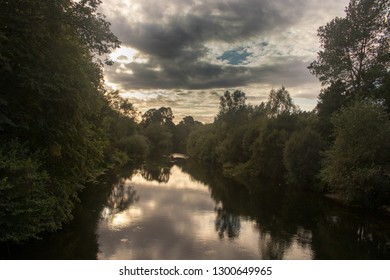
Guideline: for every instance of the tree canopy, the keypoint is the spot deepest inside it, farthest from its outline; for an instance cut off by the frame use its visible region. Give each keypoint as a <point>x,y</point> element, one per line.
<point>355,50</point>
<point>163,115</point>
<point>280,102</point>
<point>357,164</point>
<point>232,101</point>
<point>52,121</point>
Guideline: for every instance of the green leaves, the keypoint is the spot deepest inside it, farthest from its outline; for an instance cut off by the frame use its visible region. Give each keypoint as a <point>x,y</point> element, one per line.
<point>302,157</point>
<point>357,164</point>
<point>26,202</point>
<point>160,116</point>
<point>355,49</point>
<point>52,100</point>
<point>280,103</point>
<point>92,29</point>
<point>354,62</point>
<point>232,102</point>
<point>247,140</point>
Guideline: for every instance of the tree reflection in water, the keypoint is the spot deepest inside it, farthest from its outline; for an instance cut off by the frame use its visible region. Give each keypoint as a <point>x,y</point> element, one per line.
<point>156,173</point>
<point>226,223</point>
<point>293,224</point>
<point>120,199</point>
<point>288,224</point>
<point>79,239</point>
<point>271,249</point>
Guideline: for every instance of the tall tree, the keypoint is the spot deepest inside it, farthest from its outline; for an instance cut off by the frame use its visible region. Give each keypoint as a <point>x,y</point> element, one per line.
<point>232,108</point>
<point>232,101</point>
<point>280,102</point>
<point>163,115</point>
<point>159,128</point>
<point>330,100</point>
<point>355,50</point>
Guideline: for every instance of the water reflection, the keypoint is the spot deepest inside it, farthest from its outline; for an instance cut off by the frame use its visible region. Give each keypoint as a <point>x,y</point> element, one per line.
<point>177,218</point>
<point>298,225</point>
<point>226,224</point>
<point>78,239</point>
<point>191,212</point>
<point>121,197</point>
<point>153,172</point>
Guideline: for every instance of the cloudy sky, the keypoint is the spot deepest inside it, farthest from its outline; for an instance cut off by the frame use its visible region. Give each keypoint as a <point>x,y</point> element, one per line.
<point>184,54</point>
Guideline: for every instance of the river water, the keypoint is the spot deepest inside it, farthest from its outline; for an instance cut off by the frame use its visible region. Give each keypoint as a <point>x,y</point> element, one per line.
<point>188,211</point>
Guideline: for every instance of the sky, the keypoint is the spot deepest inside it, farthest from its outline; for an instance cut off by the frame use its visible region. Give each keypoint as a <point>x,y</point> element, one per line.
<point>184,54</point>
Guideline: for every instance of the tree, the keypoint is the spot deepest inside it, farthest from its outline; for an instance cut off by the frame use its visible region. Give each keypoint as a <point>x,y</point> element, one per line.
<point>302,157</point>
<point>26,203</point>
<point>51,103</point>
<point>280,102</point>
<point>330,100</point>
<point>356,166</point>
<point>181,133</point>
<point>384,93</point>
<point>355,50</point>
<point>136,146</point>
<point>267,150</point>
<point>160,138</point>
<point>188,120</point>
<point>276,119</point>
<point>231,107</point>
<point>202,142</point>
<point>159,129</point>
<point>161,116</point>
<point>232,101</point>
<point>121,105</point>
<point>230,149</point>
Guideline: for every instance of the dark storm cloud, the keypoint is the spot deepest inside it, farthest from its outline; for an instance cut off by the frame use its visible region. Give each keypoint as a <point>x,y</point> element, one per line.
<point>166,36</point>
<point>174,36</point>
<point>202,75</point>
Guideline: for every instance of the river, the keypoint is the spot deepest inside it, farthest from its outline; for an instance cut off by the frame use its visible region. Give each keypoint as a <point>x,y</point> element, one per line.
<point>187,211</point>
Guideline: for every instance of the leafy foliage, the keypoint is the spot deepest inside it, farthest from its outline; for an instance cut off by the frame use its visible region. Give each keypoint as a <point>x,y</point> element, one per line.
<point>159,116</point>
<point>232,101</point>
<point>354,63</point>
<point>158,127</point>
<point>357,164</point>
<point>302,157</point>
<point>355,50</point>
<point>202,142</point>
<point>53,111</point>
<point>280,103</point>
<point>27,200</point>
<point>245,139</point>
<point>182,132</point>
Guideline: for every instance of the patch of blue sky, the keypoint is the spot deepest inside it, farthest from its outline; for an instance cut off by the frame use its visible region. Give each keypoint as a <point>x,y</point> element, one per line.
<point>236,57</point>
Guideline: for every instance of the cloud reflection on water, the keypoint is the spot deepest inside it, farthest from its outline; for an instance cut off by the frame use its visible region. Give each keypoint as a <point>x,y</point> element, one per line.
<point>176,220</point>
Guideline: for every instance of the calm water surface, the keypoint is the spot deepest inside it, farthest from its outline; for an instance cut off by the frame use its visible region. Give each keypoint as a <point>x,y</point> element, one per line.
<point>172,218</point>
<point>186,211</point>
